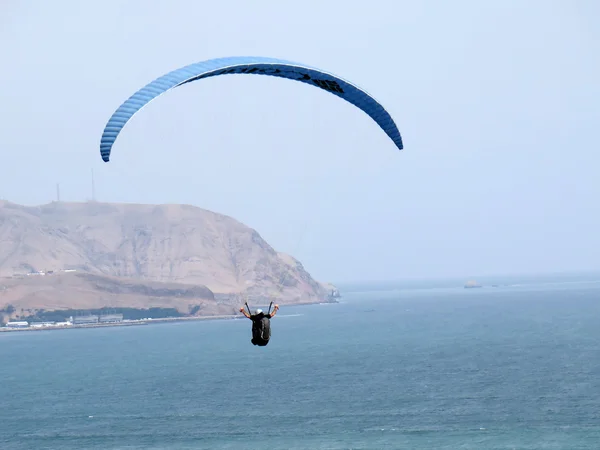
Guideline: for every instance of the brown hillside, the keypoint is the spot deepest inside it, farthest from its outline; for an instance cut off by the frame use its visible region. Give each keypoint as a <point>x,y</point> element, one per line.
<point>133,244</point>
<point>88,291</point>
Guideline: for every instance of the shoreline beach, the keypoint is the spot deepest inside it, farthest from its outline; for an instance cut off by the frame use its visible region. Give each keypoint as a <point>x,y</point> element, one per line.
<point>142,321</point>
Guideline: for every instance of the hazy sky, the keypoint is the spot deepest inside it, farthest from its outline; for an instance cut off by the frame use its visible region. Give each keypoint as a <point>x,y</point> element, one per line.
<point>496,102</point>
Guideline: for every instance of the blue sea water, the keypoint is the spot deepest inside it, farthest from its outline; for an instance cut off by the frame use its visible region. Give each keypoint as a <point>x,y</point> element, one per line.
<point>396,367</point>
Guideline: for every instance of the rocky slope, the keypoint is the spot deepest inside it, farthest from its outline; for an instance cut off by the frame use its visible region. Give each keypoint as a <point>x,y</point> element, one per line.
<point>126,245</point>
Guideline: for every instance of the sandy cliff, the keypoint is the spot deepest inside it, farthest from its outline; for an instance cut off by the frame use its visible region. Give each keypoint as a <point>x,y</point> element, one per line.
<point>194,255</point>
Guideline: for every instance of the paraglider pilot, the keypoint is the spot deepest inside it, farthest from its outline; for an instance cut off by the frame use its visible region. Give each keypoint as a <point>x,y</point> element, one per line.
<point>261,324</point>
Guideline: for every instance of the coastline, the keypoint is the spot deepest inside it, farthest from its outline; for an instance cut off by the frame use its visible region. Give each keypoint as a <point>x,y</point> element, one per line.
<point>145,321</point>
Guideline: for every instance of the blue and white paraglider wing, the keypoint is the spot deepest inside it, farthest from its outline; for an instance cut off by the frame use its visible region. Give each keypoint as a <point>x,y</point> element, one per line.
<point>251,66</point>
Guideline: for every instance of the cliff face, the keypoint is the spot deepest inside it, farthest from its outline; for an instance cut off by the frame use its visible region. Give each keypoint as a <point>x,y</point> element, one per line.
<point>177,244</point>
<point>84,291</point>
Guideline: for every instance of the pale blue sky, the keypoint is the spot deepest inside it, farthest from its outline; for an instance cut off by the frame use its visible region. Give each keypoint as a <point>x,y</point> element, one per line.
<point>496,102</point>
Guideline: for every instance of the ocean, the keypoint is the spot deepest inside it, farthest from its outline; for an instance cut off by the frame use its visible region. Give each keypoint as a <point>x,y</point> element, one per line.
<point>394,366</point>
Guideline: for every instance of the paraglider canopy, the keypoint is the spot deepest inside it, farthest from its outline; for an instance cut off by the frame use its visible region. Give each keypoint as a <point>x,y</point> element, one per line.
<point>250,66</point>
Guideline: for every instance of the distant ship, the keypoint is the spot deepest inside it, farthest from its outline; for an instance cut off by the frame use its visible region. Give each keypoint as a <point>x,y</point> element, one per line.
<point>472,284</point>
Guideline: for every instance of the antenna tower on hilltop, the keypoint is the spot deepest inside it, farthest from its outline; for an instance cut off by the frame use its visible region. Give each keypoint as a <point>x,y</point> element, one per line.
<point>93,187</point>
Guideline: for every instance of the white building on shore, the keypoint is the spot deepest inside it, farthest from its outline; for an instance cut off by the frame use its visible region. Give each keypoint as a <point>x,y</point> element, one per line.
<point>18,324</point>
